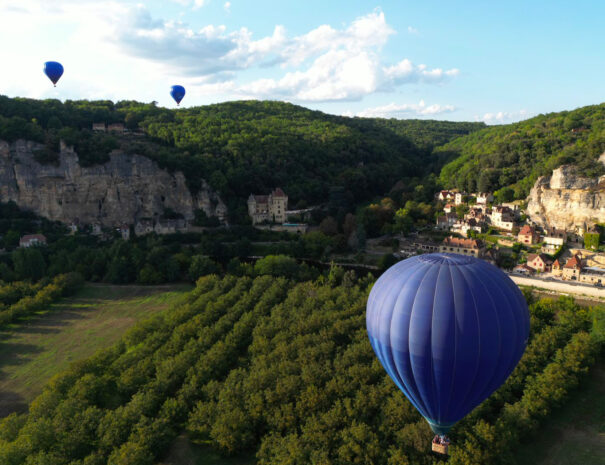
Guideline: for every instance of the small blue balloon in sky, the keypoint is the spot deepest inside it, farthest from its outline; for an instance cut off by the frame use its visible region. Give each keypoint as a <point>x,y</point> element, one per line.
<point>54,71</point>
<point>448,329</point>
<point>177,92</point>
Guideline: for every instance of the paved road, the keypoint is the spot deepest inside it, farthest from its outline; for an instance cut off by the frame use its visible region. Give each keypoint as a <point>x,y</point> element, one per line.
<point>560,286</point>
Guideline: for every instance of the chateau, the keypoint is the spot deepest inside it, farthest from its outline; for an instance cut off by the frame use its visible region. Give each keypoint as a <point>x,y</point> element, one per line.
<point>268,208</point>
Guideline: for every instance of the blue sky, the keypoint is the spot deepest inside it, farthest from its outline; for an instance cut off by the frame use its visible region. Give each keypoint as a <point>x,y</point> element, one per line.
<point>457,60</point>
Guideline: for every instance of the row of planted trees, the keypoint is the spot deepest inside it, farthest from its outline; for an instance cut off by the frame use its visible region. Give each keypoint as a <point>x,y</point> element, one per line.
<point>282,370</point>
<point>22,299</point>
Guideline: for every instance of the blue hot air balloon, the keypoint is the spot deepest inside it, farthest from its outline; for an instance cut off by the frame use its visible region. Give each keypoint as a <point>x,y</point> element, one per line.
<point>448,329</point>
<point>54,71</point>
<point>177,92</point>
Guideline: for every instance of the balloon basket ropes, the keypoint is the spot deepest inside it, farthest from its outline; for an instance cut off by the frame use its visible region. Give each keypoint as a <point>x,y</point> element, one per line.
<point>440,448</point>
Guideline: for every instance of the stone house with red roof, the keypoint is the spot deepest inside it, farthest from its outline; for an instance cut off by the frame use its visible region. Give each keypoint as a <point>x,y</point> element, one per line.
<point>472,247</point>
<point>30,240</point>
<point>528,235</point>
<point>573,268</point>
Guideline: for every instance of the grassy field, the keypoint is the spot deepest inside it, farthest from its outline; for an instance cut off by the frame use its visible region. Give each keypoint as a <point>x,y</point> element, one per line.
<point>574,434</point>
<point>34,350</point>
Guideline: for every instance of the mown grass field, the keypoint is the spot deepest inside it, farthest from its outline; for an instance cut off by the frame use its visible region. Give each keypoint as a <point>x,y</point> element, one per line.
<point>34,350</point>
<point>575,433</point>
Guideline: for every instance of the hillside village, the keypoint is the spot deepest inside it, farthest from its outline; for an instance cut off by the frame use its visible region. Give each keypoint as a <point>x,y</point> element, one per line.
<point>503,234</point>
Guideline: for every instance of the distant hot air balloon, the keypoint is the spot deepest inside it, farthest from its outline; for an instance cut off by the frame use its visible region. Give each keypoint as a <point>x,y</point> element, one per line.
<point>177,92</point>
<point>448,329</point>
<point>54,70</point>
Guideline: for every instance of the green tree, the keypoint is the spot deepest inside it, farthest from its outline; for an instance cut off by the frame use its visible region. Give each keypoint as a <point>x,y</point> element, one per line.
<point>202,266</point>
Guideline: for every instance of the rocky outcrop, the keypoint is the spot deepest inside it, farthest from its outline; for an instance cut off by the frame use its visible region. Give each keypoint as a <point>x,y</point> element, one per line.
<point>566,200</point>
<point>122,191</point>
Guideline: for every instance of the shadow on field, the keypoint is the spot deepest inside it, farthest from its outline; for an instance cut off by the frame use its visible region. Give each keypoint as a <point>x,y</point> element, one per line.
<point>11,402</point>
<point>12,353</point>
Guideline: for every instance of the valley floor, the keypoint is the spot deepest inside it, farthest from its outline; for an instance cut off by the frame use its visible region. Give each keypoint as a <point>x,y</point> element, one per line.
<point>575,433</point>
<point>34,350</point>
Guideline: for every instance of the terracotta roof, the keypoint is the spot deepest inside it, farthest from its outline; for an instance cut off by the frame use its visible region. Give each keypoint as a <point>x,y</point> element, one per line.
<point>464,243</point>
<point>574,262</point>
<point>278,193</point>
<point>527,229</point>
<point>261,198</point>
<point>545,258</point>
<point>30,237</point>
<point>556,264</point>
<point>523,266</point>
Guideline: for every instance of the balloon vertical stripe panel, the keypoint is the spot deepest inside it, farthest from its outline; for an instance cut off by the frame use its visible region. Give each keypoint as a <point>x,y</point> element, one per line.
<point>449,330</point>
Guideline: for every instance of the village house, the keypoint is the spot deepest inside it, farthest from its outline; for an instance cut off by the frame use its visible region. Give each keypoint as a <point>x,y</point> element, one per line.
<point>452,244</point>
<point>557,269</point>
<point>99,127</point>
<point>572,268</point>
<point>426,246</point>
<point>523,269</point>
<point>528,235</point>
<point>95,229</point>
<point>268,208</point>
<point>463,227</point>
<point>170,226</point>
<point>539,262</point>
<point>502,218</point>
<point>553,240</point>
<point>116,127</point>
<point>143,226</point>
<point>514,208</point>
<point>449,208</point>
<point>31,240</point>
<point>445,195</point>
<point>593,275</point>
<point>124,231</point>
<point>459,198</point>
<point>444,222</point>
<point>483,198</point>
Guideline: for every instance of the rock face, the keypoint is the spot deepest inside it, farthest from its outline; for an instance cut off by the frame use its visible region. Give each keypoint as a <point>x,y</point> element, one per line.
<point>122,191</point>
<point>566,200</point>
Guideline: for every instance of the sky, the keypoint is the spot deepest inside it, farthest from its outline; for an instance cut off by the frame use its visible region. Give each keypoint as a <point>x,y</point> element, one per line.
<point>471,60</point>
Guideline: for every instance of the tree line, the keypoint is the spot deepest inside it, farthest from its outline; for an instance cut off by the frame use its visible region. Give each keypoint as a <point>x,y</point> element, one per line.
<point>283,370</point>
<point>509,158</point>
<point>22,299</point>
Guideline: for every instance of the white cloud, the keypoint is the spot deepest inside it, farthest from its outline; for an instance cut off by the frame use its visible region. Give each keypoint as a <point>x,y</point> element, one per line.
<point>344,65</point>
<point>393,110</point>
<point>135,54</point>
<point>195,4</point>
<point>227,7</point>
<point>502,117</point>
<point>412,30</point>
<point>325,64</point>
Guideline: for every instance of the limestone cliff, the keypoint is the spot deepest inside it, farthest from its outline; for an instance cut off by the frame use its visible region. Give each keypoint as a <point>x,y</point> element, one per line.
<point>566,200</point>
<point>123,190</point>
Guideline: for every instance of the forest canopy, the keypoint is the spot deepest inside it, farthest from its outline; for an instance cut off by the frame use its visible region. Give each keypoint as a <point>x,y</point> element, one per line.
<point>515,155</point>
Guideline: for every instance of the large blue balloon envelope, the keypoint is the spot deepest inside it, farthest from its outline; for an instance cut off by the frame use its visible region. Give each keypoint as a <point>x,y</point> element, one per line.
<point>448,329</point>
<point>177,92</point>
<point>54,70</point>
